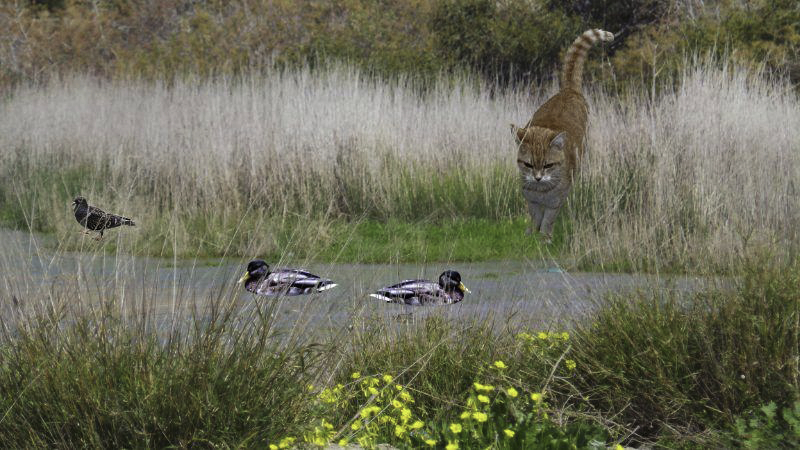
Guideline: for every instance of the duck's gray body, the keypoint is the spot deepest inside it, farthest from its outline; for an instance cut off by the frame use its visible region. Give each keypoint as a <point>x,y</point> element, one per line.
<point>418,293</point>
<point>288,282</point>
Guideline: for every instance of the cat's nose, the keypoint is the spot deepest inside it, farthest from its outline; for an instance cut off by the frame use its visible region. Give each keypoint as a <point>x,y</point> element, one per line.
<point>537,177</point>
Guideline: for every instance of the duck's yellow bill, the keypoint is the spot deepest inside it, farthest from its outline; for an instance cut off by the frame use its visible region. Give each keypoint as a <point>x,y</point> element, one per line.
<point>463,288</point>
<point>244,278</point>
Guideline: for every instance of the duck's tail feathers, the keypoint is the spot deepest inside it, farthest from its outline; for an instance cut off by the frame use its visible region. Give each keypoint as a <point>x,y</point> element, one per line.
<point>382,298</point>
<point>326,287</point>
<point>576,55</point>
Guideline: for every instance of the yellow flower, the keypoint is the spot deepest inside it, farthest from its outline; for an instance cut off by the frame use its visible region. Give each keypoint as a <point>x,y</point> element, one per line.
<point>570,364</point>
<point>373,391</point>
<point>326,424</point>
<point>455,428</point>
<point>355,375</point>
<point>405,396</point>
<point>524,337</point>
<point>328,396</point>
<point>430,442</point>
<point>565,336</point>
<point>399,430</point>
<point>483,399</point>
<point>512,392</point>
<point>397,403</point>
<point>343,442</point>
<point>417,425</point>
<point>483,387</point>
<point>465,415</point>
<point>509,433</point>
<point>405,414</point>
<point>310,387</point>
<point>500,365</point>
<point>619,447</point>
<point>399,387</point>
<point>355,425</point>
<point>537,397</point>
<point>452,445</point>
<point>388,378</point>
<point>273,447</point>
<point>479,416</point>
<point>286,442</point>
<point>542,335</point>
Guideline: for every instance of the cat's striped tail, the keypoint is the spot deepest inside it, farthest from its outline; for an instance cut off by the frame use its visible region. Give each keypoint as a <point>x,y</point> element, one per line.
<point>576,55</point>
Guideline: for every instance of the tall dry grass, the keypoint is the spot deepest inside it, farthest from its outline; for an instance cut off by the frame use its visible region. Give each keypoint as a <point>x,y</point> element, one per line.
<point>698,174</point>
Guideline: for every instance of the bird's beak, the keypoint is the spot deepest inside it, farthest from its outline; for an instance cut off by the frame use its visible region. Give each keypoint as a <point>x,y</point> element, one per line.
<point>463,288</point>
<point>244,278</point>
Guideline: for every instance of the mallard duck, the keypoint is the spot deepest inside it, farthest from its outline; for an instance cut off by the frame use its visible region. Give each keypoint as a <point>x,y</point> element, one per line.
<point>96,219</point>
<point>260,280</point>
<point>447,291</point>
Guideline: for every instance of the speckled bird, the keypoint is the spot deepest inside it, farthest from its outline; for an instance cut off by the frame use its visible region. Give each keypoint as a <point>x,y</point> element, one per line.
<point>258,279</point>
<point>95,219</point>
<point>447,291</point>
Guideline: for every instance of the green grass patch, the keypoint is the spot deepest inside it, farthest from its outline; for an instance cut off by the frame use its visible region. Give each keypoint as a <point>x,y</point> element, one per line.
<point>449,240</point>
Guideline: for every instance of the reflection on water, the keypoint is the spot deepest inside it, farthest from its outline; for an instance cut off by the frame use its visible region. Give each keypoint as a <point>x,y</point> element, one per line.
<point>530,294</point>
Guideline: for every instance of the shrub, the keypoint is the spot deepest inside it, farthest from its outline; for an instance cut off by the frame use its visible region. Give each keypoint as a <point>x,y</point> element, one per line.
<point>510,40</point>
<point>693,363</point>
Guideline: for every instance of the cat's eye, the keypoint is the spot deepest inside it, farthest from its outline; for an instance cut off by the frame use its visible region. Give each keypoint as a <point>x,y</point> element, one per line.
<point>526,164</point>
<point>549,165</point>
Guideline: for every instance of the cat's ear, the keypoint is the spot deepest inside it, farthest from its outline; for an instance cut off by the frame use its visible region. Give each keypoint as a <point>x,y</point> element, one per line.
<point>519,133</point>
<point>560,141</point>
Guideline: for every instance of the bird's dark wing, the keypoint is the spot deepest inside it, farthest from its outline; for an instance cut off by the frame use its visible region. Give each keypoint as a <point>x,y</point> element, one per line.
<point>97,219</point>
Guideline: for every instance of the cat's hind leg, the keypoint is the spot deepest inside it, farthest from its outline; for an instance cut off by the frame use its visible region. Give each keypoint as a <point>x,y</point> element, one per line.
<point>537,212</point>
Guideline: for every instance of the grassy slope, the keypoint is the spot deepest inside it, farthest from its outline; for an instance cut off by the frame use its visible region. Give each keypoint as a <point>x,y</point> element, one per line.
<point>281,162</point>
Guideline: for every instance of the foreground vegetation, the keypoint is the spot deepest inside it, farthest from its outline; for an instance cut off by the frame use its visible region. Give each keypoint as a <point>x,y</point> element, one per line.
<point>92,366</point>
<point>334,165</point>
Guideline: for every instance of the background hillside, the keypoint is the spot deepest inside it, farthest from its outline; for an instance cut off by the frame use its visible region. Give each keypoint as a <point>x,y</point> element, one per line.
<point>503,40</point>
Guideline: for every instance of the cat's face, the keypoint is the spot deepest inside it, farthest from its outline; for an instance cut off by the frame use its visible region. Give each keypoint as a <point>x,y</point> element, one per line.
<point>540,157</point>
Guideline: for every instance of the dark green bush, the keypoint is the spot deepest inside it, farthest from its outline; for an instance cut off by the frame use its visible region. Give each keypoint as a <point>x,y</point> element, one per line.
<point>694,363</point>
<point>507,41</point>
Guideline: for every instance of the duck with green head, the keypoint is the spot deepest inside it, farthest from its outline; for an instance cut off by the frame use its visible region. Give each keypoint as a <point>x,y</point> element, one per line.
<point>260,280</point>
<point>447,291</point>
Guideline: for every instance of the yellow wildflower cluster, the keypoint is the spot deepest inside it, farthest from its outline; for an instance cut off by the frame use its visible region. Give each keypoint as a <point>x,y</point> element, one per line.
<point>286,442</point>
<point>332,395</point>
<point>388,410</point>
<point>321,434</point>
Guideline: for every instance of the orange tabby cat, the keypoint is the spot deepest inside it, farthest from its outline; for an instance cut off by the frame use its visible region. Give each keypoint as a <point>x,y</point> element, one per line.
<point>551,144</point>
